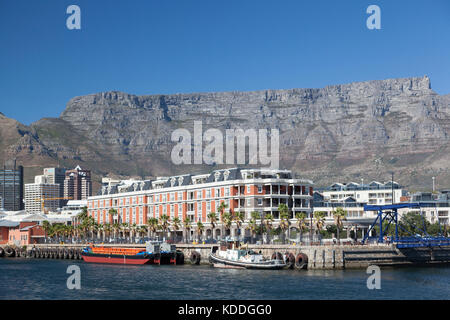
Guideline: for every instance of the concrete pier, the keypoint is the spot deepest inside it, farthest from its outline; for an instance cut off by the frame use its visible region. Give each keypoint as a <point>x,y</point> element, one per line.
<point>319,256</point>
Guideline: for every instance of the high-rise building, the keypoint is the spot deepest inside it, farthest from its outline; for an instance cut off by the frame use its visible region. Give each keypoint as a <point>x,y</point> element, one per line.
<point>11,187</point>
<point>57,175</point>
<point>78,184</point>
<point>41,192</point>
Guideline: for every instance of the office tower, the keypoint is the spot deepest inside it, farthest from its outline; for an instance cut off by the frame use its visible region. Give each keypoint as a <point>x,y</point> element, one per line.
<point>57,175</point>
<point>78,184</point>
<point>11,186</point>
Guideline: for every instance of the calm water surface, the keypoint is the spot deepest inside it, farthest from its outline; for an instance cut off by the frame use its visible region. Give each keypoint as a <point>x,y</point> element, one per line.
<point>46,279</point>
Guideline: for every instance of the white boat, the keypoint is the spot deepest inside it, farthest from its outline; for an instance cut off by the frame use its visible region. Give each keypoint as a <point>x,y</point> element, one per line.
<point>226,257</point>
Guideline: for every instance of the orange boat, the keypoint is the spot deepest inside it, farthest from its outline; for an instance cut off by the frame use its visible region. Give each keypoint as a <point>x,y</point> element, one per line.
<point>156,253</point>
<point>118,255</point>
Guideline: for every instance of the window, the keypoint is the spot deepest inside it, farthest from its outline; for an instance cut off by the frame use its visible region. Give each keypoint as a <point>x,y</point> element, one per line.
<point>249,202</point>
<point>248,189</point>
<point>208,193</point>
<point>259,189</point>
<point>227,192</point>
<point>217,193</point>
<point>180,196</point>
<point>260,202</point>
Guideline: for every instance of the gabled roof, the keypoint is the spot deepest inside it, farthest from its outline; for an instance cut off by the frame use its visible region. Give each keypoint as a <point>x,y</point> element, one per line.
<point>224,175</point>
<point>177,181</point>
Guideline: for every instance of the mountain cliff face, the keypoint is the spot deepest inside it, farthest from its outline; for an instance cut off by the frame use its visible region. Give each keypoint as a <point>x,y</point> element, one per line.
<point>343,132</point>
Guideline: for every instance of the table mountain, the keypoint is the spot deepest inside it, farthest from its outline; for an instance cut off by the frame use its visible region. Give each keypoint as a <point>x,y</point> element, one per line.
<point>340,132</point>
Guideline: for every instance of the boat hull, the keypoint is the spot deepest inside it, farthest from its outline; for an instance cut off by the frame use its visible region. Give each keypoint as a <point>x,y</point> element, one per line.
<point>116,259</point>
<point>219,262</point>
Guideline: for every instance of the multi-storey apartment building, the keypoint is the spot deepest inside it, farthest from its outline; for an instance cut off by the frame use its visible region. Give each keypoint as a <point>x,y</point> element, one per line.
<point>77,184</point>
<point>435,207</point>
<point>374,193</point>
<point>352,197</point>
<point>195,196</point>
<point>11,187</point>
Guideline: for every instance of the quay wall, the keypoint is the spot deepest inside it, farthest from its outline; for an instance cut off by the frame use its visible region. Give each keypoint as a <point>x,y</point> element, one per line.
<point>319,256</point>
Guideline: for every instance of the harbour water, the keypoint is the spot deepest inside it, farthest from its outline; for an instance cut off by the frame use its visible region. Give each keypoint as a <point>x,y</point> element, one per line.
<point>22,278</point>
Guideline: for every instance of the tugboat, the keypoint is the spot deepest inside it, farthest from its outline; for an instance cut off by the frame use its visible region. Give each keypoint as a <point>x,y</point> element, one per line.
<point>229,256</point>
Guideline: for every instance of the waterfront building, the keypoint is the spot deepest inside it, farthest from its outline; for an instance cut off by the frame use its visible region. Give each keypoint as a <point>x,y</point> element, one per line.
<point>40,194</point>
<point>373,193</point>
<point>195,196</point>
<point>77,184</point>
<point>21,233</point>
<point>356,219</point>
<point>352,197</point>
<point>11,186</point>
<point>435,207</point>
<point>70,212</point>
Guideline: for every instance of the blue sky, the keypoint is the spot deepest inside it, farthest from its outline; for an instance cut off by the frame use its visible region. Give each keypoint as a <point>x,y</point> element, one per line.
<point>152,47</point>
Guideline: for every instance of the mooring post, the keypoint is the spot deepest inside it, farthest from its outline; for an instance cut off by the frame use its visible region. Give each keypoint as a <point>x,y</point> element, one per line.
<point>333,259</point>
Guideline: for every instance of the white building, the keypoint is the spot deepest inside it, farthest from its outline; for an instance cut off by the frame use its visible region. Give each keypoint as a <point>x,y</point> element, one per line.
<point>433,207</point>
<point>374,193</point>
<point>39,193</point>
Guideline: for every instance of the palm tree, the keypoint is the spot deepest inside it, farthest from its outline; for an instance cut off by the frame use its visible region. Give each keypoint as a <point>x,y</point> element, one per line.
<point>107,228</point>
<point>83,215</point>
<point>152,225</point>
<point>212,217</point>
<point>187,227</point>
<point>301,223</point>
<point>221,208</point>
<point>255,216</point>
<point>79,232</point>
<point>339,216</point>
<point>176,226</point>
<point>141,230</point>
<point>227,220</point>
<point>284,219</point>
<point>115,228</point>
<point>69,232</point>
<point>133,230</point>
<point>239,218</point>
<point>319,218</point>
<point>47,228</point>
<point>268,221</point>
<point>200,228</point>
<point>125,228</point>
<point>164,224</point>
<point>112,212</point>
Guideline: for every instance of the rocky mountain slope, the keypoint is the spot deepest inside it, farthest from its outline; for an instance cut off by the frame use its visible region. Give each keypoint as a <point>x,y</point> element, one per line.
<point>342,132</point>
